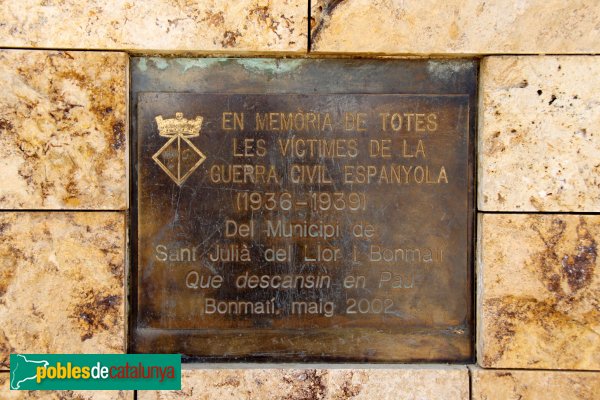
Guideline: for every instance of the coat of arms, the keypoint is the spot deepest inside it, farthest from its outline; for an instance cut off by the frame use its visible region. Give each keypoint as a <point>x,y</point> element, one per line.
<point>179,157</point>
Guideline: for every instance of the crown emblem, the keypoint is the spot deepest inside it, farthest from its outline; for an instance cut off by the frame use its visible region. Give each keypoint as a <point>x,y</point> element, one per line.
<point>178,157</point>
<point>179,126</point>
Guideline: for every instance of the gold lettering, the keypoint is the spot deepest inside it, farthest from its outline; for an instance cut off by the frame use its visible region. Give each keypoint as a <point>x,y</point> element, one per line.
<point>318,148</point>
<point>380,148</point>
<point>298,121</point>
<point>420,149</point>
<point>226,121</point>
<point>274,124</point>
<point>420,123</point>
<point>238,121</point>
<point>396,122</point>
<point>432,122</point>
<point>232,121</point>
<point>409,122</point>
<point>361,122</point>
<point>261,122</point>
<point>393,174</point>
<point>355,122</point>
<point>243,173</point>
<point>300,173</point>
<point>384,117</point>
<point>443,177</point>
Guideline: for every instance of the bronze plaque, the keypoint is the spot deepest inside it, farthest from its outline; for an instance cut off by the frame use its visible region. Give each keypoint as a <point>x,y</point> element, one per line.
<point>299,226</point>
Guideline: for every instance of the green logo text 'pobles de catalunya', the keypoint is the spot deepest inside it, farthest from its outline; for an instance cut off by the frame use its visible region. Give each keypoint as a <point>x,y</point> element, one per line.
<point>95,372</point>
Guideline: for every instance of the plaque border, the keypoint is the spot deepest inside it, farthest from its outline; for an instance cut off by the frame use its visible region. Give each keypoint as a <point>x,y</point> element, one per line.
<point>446,77</point>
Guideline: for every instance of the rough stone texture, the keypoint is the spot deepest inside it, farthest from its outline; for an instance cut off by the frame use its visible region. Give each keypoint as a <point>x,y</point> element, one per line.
<point>539,135</point>
<point>61,283</point>
<point>7,394</point>
<point>162,25</point>
<point>534,385</point>
<point>63,129</point>
<point>455,26</point>
<point>538,291</point>
<point>447,383</point>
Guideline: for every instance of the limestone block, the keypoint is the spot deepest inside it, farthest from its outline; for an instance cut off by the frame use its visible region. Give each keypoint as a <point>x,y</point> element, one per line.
<point>455,26</point>
<point>385,382</point>
<point>158,25</point>
<point>63,129</point>
<point>539,135</point>
<point>538,290</point>
<point>61,283</point>
<point>534,385</point>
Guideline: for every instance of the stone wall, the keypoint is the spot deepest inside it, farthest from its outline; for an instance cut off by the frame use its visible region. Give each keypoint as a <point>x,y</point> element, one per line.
<point>64,191</point>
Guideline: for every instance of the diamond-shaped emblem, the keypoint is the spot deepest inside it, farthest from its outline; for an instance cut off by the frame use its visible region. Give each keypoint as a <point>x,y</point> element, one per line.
<point>179,157</point>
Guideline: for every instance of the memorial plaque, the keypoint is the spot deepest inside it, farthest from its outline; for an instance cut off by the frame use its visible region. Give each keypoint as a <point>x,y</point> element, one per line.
<point>305,225</point>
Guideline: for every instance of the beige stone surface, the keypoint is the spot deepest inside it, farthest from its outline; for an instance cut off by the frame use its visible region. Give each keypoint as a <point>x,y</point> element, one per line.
<point>534,385</point>
<point>455,26</point>
<point>61,283</point>
<point>539,134</point>
<point>161,25</point>
<point>408,383</point>
<point>63,129</point>
<point>7,394</point>
<point>538,291</point>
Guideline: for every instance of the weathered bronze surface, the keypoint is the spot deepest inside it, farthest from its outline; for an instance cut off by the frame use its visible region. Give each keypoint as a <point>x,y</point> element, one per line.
<point>303,225</point>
